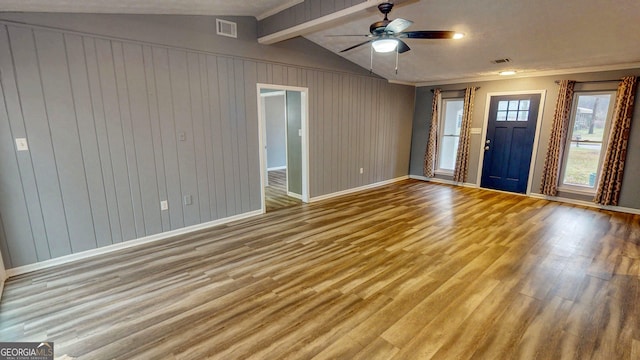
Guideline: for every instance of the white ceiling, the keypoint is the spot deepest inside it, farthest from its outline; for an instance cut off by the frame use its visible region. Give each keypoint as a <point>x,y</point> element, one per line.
<point>540,37</point>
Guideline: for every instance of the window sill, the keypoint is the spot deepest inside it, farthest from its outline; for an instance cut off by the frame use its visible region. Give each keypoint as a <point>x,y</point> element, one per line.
<point>443,172</point>
<point>577,191</point>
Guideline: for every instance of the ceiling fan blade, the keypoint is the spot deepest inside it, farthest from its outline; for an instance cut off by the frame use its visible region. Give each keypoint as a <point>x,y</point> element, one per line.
<point>402,46</point>
<point>398,25</point>
<point>356,45</point>
<point>434,34</point>
<point>366,35</point>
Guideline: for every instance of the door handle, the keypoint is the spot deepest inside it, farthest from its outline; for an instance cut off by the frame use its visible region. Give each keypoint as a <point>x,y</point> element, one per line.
<point>486,148</point>
<point>488,141</point>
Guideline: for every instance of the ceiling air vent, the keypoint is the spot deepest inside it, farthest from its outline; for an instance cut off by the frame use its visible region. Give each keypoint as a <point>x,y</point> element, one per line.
<point>226,28</point>
<point>501,61</point>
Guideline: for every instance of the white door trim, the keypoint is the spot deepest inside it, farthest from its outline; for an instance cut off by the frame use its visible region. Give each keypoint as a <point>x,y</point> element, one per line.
<point>262,111</point>
<point>536,139</point>
<point>3,276</point>
<point>304,92</point>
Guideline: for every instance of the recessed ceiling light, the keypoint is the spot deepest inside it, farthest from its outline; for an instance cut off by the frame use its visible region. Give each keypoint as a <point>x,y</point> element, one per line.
<point>458,36</point>
<point>506,73</point>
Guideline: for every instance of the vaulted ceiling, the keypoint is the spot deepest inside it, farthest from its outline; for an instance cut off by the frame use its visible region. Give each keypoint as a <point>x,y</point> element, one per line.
<point>541,37</point>
<point>256,8</point>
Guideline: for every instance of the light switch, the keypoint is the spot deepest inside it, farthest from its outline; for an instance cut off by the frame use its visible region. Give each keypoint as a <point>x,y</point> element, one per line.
<point>164,205</point>
<point>21,144</point>
<point>476,131</point>
<point>188,200</point>
<point>299,132</point>
<point>182,136</point>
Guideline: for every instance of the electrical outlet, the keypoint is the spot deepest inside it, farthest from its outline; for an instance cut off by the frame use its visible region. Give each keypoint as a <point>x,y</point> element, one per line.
<point>21,144</point>
<point>299,132</point>
<point>361,170</point>
<point>188,200</point>
<point>164,205</point>
<point>182,136</point>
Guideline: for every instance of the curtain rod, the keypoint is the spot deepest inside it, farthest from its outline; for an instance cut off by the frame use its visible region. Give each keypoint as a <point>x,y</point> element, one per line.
<point>477,87</point>
<point>592,81</point>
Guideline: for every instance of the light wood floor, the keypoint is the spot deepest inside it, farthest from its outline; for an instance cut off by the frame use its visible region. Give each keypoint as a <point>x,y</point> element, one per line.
<point>409,271</point>
<point>276,192</point>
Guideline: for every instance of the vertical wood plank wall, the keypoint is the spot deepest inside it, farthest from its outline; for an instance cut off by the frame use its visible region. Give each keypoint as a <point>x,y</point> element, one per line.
<point>114,127</point>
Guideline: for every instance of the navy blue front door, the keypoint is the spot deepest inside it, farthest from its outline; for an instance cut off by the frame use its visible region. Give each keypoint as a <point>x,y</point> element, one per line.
<point>509,143</point>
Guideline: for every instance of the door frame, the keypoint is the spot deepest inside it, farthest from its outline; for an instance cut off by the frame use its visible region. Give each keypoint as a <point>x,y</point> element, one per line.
<point>536,139</point>
<point>304,97</point>
<point>3,276</point>
<point>265,136</point>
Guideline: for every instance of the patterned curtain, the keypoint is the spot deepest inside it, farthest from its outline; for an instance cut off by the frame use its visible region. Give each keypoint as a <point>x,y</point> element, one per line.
<point>462,158</point>
<point>432,143</point>
<point>613,168</point>
<point>557,140</point>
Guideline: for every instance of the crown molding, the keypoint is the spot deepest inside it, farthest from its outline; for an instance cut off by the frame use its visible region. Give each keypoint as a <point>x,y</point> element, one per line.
<point>400,82</point>
<point>530,74</point>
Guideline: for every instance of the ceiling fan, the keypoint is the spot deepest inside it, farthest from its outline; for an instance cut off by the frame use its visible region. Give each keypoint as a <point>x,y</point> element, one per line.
<point>386,35</point>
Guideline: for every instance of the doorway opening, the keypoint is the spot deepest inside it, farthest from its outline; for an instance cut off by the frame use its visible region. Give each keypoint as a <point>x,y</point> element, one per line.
<point>283,120</point>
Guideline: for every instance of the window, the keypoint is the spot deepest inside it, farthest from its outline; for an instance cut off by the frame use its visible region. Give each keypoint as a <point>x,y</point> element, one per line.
<point>449,134</point>
<point>513,110</point>
<point>587,140</point>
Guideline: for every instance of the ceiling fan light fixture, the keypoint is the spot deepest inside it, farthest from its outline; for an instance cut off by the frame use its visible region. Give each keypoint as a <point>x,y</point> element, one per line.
<point>384,45</point>
<point>385,36</point>
<point>507,73</point>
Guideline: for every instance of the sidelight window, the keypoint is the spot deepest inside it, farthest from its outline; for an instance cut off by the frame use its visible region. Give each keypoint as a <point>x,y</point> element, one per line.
<point>587,140</point>
<point>449,134</point>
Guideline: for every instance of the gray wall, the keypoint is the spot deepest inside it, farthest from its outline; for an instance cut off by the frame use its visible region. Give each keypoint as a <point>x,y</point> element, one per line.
<point>294,142</point>
<point>115,126</point>
<point>275,121</point>
<point>630,196</point>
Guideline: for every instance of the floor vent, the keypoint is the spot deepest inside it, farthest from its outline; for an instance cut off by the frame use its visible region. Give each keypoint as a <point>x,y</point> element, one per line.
<point>226,28</point>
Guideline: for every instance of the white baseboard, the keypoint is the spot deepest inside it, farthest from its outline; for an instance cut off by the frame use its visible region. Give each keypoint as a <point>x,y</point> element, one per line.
<point>538,196</point>
<point>443,181</point>
<point>276,168</point>
<point>419,177</point>
<point>586,204</point>
<point>360,188</point>
<point>294,195</point>
<point>125,245</point>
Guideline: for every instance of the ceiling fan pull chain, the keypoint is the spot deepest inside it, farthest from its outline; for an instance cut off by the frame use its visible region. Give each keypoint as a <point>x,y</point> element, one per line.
<point>371,65</point>
<point>397,51</point>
